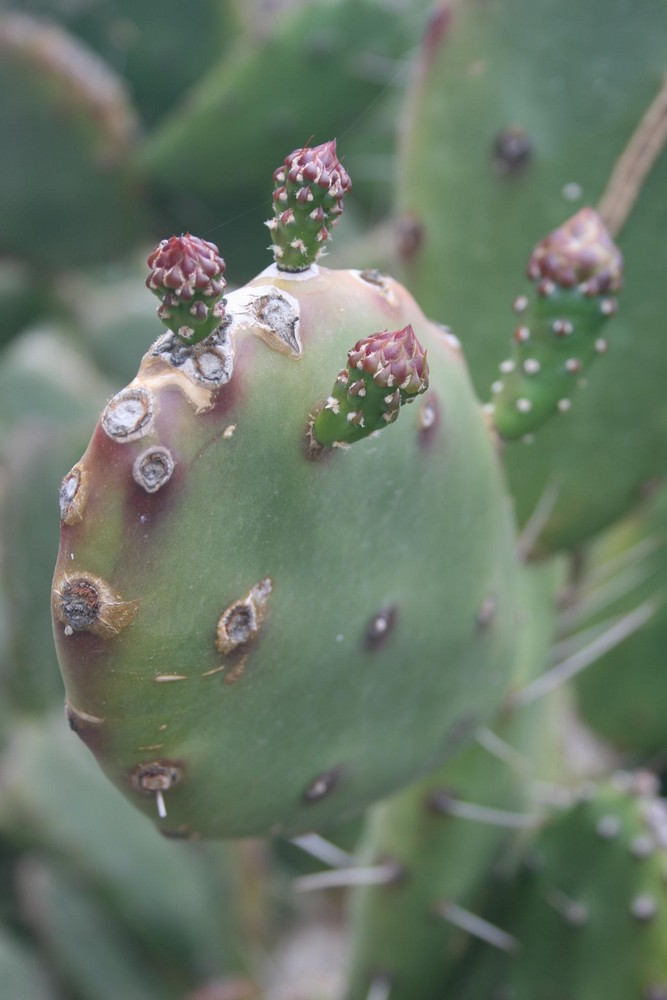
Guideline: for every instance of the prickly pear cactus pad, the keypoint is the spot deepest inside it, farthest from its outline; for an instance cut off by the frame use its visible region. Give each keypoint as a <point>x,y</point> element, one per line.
<point>65,177</point>
<point>256,635</point>
<point>589,913</point>
<point>521,114</point>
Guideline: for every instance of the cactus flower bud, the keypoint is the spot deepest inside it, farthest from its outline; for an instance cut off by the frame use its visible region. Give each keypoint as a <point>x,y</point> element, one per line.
<point>579,253</point>
<point>577,268</point>
<point>384,371</point>
<point>186,274</point>
<point>307,203</point>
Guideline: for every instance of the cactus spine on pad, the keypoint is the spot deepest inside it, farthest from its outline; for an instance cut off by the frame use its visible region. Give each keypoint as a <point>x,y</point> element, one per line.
<point>622,696</point>
<point>576,270</point>
<point>215,631</point>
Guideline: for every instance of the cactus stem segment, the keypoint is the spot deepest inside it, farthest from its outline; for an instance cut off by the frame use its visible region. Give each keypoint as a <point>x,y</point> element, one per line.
<point>307,203</point>
<point>635,163</point>
<point>384,371</point>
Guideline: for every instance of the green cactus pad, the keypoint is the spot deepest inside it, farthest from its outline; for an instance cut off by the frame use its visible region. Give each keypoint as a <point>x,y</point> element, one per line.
<point>162,46</point>
<point>67,193</point>
<point>590,908</point>
<point>23,975</point>
<point>307,630</point>
<point>576,270</point>
<point>556,92</point>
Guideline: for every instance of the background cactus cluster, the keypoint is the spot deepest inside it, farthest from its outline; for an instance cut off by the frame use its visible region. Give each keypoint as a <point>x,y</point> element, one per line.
<point>361,590</point>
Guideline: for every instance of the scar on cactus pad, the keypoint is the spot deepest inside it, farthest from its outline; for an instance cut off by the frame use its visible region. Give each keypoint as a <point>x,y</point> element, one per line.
<point>240,623</point>
<point>576,270</point>
<point>72,496</point>
<point>84,603</point>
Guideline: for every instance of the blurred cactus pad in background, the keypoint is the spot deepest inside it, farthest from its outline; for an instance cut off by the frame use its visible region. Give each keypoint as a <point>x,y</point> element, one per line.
<point>333,335</point>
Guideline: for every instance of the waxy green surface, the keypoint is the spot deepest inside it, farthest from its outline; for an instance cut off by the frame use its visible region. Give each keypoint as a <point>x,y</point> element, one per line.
<point>410,528</point>
<point>589,914</point>
<point>68,196</point>
<point>441,858</point>
<point>575,79</point>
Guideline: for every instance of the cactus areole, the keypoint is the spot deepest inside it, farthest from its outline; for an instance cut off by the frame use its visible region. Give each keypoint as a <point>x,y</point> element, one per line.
<point>260,631</point>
